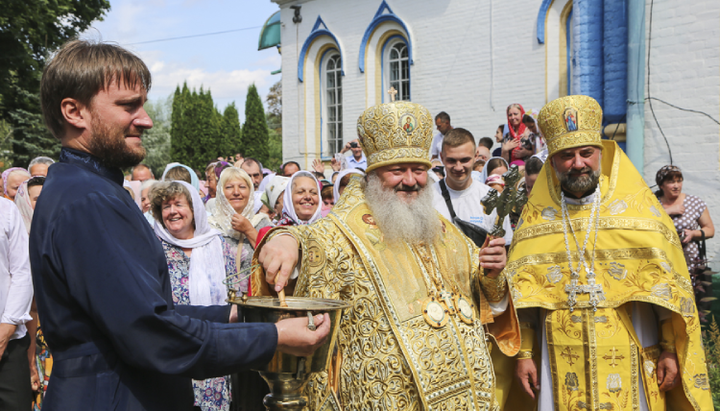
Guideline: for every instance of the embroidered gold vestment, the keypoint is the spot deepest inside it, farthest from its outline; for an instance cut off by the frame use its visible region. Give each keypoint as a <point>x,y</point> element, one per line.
<point>595,358</point>
<point>389,357</point>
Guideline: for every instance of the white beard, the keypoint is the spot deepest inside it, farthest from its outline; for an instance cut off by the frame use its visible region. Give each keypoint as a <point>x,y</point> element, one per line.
<point>412,222</point>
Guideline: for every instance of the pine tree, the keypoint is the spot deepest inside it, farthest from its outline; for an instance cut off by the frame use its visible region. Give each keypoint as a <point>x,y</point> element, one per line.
<point>157,140</point>
<point>230,130</point>
<point>178,150</point>
<point>206,130</point>
<point>255,129</point>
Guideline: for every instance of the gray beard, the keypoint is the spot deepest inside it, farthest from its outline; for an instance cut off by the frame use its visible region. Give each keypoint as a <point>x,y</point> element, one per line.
<point>580,184</point>
<point>412,222</point>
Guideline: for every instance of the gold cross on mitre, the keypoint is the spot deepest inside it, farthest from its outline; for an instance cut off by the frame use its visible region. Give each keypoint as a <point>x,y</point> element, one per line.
<point>392,93</point>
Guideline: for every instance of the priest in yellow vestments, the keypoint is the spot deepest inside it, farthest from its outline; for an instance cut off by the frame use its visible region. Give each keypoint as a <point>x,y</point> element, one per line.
<point>423,297</point>
<point>600,283</point>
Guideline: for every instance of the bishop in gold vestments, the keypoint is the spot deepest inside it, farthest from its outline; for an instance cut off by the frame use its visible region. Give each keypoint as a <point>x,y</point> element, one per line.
<point>600,282</point>
<point>415,336</point>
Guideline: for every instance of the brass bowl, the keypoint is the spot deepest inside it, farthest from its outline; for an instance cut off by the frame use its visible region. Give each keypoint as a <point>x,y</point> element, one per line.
<point>287,374</point>
<point>268,310</point>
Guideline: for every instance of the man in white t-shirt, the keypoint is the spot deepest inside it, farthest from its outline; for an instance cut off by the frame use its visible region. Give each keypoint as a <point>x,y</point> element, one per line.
<point>442,122</point>
<point>458,155</point>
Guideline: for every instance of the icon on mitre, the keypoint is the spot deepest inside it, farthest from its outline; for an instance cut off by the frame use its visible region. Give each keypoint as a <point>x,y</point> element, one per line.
<point>408,123</point>
<point>571,119</point>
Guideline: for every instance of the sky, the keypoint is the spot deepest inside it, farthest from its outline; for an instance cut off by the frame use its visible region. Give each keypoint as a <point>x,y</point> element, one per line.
<point>224,63</point>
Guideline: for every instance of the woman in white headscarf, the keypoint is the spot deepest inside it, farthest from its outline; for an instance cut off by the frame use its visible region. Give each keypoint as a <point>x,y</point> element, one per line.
<point>342,181</point>
<point>234,216</point>
<point>199,260</point>
<point>495,165</point>
<point>301,200</point>
<point>194,180</point>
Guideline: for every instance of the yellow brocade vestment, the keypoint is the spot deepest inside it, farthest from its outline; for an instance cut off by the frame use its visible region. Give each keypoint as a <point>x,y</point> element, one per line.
<point>389,357</point>
<point>595,358</point>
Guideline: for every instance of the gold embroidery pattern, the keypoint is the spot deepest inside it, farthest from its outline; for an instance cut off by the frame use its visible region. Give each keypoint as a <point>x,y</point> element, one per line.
<point>646,280</point>
<point>388,363</point>
<point>571,121</point>
<point>495,288</point>
<point>649,356</point>
<point>606,223</point>
<point>374,371</point>
<point>384,139</point>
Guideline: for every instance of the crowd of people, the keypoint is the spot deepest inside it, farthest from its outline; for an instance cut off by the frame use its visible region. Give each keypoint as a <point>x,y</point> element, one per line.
<point>132,272</point>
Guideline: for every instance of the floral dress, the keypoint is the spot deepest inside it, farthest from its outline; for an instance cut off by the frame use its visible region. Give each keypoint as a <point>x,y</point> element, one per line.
<point>249,388</point>
<point>214,393</point>
<point>694,207</point>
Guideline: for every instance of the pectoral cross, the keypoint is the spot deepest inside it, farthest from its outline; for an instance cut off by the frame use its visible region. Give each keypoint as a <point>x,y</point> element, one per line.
<point>594,290</point>
<point>511,199</point>
<point>447,298</point>
<point>392,92</point>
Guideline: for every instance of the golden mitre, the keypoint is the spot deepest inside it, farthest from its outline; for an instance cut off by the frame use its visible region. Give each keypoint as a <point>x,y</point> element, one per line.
<point>572,121</point>
<point>397,132</point>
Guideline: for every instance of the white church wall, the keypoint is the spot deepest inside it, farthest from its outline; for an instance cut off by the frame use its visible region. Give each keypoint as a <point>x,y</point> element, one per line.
<point>685,71</point>
<point>471,59</point>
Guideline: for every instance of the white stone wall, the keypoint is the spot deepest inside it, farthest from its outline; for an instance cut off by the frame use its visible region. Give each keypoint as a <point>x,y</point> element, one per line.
<point>473,58</point>
<point>456,67</point>
<point>685,71</point>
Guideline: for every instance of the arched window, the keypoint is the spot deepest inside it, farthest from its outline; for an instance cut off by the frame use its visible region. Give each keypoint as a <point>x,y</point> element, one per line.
<point>333,103</point>
<point>397,68</point>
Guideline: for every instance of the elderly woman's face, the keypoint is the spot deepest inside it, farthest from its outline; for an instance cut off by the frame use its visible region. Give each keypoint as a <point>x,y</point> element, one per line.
<point>672,188</point>
<point>237,192</point>
<point>305,197</point>
<point>178,218</point>
<point>145,200</point>
<point>514,116</point>
<point>13,182</point>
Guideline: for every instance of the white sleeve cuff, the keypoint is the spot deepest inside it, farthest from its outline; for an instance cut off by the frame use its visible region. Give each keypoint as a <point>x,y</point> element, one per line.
<point>499,307</point>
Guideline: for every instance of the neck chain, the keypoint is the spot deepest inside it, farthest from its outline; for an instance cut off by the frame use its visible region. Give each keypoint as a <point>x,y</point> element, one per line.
<point>441,302</point>
<point>594,290</point>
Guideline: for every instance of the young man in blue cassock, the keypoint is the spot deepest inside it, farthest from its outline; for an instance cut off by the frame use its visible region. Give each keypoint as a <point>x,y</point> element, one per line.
<point>100,275</point>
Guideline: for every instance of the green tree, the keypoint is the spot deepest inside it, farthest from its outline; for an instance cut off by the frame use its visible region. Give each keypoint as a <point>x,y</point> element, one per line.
<point>195,131</point>
<point>275,151</point>
<point>179,149</point>
<point>274,120</point>
<point>30,138</point>
<point>30,30</point>
<point>274,104</point>
<point>157,139</point>
<point>230,131</point>
<point>255,129</point>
